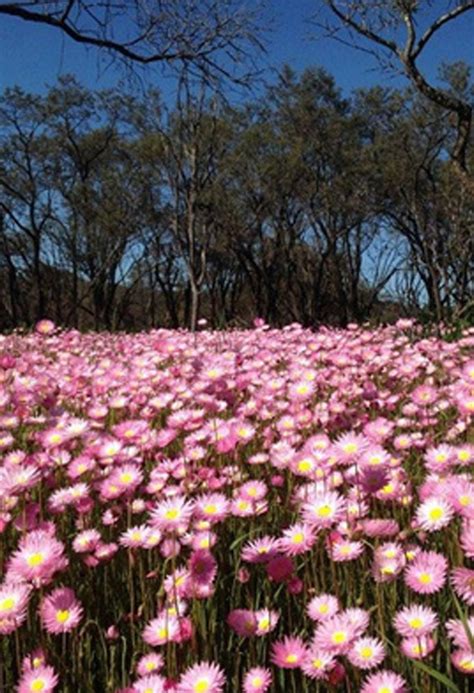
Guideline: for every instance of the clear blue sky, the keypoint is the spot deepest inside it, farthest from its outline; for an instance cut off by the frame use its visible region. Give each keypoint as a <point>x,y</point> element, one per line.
<point>33,55</point>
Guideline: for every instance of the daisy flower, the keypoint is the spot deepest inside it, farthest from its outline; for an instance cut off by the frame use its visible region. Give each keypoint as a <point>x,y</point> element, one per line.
<point>324,509</point>
<point>172,514</point>
<point>297,539</point>
<point>417,647</point>
<point>345,550</point>
<point>86,541</point>
<point>260,550</point>
<point>457,632</point>
<point>322,607</point>
<point>150,684</point>
<point>318,663</point>
<point>463,660</point>
<point>160,630</point>
<point>462,580</point>
<point>288,653</point>
<point>335,635</point>
<point>243,622</point>
<point>202,678</point>
<point>415,621</point>
<point>267,620</point>
<point>42,679</point>
<point>60,611</point>
<point>150,664</point>
<point>366,653</point>
<point>38,557</point>
<point>213,507</point>
<point>384,681</point>
<point>202,566</point>
<point>426,574</point>
<point>434,513</point>
<point>257,680</point>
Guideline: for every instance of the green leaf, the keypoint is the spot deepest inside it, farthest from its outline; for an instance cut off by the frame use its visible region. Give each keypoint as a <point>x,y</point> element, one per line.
<point>462,616</point>
<point>441,678</point>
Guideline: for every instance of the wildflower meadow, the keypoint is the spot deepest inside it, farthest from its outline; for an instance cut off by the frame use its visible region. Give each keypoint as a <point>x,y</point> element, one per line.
<point>280,510</point>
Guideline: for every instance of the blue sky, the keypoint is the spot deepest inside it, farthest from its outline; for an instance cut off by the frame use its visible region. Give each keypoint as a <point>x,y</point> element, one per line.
<point>33,55</point>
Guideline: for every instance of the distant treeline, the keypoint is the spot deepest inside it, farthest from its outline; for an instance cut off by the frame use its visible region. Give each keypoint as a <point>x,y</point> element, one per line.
<point>300,205</point>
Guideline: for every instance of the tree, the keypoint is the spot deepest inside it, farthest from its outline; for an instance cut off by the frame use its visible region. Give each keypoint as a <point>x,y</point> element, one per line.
<point>212,37</point>
<point>383,24</point>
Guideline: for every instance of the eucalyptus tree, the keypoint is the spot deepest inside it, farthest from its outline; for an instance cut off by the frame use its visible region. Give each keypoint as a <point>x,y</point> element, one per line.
<point>399,33</point>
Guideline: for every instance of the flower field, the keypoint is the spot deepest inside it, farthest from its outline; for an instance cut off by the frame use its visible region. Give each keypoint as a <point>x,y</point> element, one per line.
<point>251,510</point>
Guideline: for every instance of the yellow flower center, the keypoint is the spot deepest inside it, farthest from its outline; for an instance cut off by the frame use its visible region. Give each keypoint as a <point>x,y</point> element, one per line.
<point>7,604</point>
<point>126,478</point>
<point>210,509</point>
<point>366,652</point>
<point>298,538</point>
<point>463,455</point>
<point>172,514</point>
<point>257,681</point>
<point>436,514</point>
<point>324,511</point>
<point>415,623</point>
<point>162,633</point>
<point>323,609</point>
<point>37,685</point>
<point>34,560</point>
<point>465,500</point>
<point>150,666</point>
<point>264,623</point>
<point>62,616</point>
<point>291,658</point>
<point>339,637</point>
<point>304,466</point>
<point>318,663</point>
<point>385,689</point>
<point>201,686</point>
<point>350,447</point>
<point>425,578</point>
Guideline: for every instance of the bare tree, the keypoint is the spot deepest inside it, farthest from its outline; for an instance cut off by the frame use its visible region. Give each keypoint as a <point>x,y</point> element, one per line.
<point>401,30</point>
<point>215,38</point>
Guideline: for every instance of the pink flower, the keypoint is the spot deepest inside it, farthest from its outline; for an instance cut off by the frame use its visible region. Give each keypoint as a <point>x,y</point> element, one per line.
<point>160,630</point>
<point>384,682</point>
<point>38,557</point>
<point>257,680</point>
<point>42,678</point>
<point>243,622</point>
<point>322,607</point>
<point>336,635</point>
<point>14,597</point>
<point>417,647</point>
<point>415,621</point>
<point>366,653</point>
<point>150,664</point>
<point>280,568</point>
<point>152,683</point>
<point>260,550</point>
<point>288,653</point>
<point>297,539</point>
<point>202,678</point>
<point>462,580</point>
<point>427,572</point>
<point>318,663</point>
<point>267,620</point>
<point>60,611</point>
<point>202,566</point>
<point>45,327</point>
